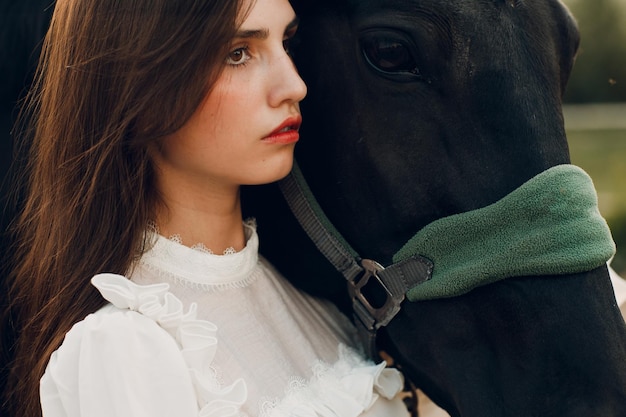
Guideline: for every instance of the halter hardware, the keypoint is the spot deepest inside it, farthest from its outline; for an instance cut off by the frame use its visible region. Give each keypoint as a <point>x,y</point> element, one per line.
<point>368,318</point>
<point>371,317</point>
<point>395,280</point>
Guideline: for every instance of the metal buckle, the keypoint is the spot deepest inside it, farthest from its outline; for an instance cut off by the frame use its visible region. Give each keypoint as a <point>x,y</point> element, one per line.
<point>372,318</point>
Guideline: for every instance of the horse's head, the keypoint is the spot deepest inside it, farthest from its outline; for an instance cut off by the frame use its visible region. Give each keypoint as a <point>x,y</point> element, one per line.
<point>420,109</point>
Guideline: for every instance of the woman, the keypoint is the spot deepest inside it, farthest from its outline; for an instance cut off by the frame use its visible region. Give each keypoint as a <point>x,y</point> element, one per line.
<point>148,115</point>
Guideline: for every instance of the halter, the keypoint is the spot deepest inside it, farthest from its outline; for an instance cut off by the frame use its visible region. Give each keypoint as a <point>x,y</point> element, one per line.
<point>549,225</point>
<point>395,280</point>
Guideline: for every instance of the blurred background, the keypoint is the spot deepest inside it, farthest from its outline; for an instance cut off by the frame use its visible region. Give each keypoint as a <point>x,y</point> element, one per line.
<point>595,109</point>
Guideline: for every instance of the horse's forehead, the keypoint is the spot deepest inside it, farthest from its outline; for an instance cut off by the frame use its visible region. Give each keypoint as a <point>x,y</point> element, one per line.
<point>458,10</point>
<point>480,33</point>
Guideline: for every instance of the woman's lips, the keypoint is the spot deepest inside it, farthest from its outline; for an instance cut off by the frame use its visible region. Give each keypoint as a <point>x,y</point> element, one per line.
<point>286,132</point>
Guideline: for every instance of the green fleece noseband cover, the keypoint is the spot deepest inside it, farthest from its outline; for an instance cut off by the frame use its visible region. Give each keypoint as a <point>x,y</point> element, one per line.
<point>548,226</point>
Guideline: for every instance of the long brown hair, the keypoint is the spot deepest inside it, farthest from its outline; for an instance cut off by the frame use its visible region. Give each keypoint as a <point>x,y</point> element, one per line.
<point>113,77</point>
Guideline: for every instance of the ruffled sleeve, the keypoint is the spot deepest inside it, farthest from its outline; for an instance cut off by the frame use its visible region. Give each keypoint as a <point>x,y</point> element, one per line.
<point>117,364</point>
<point>351,387</point>
<point>141,356</point>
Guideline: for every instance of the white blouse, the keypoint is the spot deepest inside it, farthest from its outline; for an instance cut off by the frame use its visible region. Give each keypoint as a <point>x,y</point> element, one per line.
<point>197,334</point>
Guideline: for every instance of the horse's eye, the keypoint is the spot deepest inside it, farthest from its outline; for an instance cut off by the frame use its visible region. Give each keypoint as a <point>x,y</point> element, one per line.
<point>389,55</point>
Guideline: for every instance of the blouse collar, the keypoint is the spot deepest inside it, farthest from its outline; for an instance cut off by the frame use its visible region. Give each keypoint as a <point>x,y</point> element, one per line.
<point>199,267</point>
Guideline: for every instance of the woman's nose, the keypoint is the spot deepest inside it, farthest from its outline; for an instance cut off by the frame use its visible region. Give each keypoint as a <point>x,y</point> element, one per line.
<point>287,84</point>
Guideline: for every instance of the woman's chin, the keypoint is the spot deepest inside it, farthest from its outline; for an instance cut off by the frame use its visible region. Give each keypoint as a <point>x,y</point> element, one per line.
<point>277,172</point>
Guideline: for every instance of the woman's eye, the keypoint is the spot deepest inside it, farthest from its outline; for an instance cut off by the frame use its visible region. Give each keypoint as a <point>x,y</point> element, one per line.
<point>238,56</point>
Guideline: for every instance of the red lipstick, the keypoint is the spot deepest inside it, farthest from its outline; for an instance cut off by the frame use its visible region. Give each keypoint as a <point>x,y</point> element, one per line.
<point>286,132</point>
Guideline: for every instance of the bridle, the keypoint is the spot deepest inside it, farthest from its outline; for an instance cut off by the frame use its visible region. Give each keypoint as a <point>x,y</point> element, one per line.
<point>550,225</point>
<point>394,280</point>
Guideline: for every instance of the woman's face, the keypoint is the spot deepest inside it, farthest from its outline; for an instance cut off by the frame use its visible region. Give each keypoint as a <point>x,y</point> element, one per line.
<point>245,130</point>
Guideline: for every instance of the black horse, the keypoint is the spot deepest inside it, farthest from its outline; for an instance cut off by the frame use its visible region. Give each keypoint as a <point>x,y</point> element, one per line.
<point>419,110</point>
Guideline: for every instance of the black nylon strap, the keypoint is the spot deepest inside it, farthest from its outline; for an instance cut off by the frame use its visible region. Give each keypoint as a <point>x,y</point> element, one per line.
<point>298,198</point>
<point>394,280</point>
<point>406,274</point>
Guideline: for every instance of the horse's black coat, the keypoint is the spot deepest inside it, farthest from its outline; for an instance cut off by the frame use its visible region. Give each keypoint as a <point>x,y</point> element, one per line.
<point>420,109</point>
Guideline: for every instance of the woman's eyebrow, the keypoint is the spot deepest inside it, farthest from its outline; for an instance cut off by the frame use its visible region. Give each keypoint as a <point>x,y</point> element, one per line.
<point>253,33</point>
<point>264,33</point>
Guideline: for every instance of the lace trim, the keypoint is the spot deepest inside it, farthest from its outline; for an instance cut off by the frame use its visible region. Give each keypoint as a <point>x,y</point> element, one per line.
<point>195,267</point>
<point>200,247</point>
<point>349,387</point>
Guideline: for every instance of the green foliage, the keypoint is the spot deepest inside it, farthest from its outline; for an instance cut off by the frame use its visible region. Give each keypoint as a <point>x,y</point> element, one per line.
<point>599,74</point>
<point>602,153</point>
<point>618,229</point>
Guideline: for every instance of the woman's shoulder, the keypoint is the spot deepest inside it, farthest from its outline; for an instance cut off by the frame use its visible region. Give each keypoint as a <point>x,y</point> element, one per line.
<point>116,356</point>
<point>140,344</point>
<point>113,335</point>
<point>112,324</point>
<point>137,319</point>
